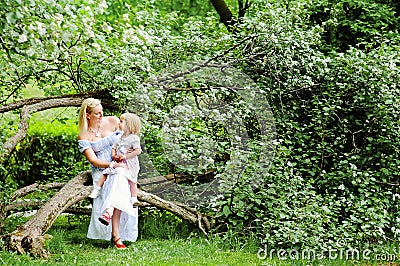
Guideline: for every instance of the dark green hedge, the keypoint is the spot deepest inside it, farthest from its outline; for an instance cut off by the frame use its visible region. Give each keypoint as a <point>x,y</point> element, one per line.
<point>43,158</point>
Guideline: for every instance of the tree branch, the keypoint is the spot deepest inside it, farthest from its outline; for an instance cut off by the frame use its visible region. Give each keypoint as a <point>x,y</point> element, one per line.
<point>208,63</point>
<point>33,105</point>
<point>100,94</point>
<point>243,8</point>
<point>29,237</point>
<point>25,115</point>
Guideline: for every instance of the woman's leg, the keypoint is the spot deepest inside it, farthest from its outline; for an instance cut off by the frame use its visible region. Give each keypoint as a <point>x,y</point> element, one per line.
<point>115,228</point>
<point>115,236</point>
<point>115,223</point>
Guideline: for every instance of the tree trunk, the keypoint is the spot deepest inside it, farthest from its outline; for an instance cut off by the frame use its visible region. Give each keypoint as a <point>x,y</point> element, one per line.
<point>225,15</point>
<point>179,210</point>
<point>30,237</point>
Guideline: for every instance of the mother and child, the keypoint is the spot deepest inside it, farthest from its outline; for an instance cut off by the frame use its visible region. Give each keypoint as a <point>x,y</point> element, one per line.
<point>112,146</point>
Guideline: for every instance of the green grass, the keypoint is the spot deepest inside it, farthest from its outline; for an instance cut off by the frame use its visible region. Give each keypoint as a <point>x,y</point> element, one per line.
<point>158,246</point>
<point>163,240</point>
<point>143,252</point>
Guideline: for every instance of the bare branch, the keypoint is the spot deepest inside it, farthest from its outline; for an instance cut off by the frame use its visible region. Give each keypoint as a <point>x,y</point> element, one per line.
<point>25,115</point>
<point>208,63</point>
<point>24,205</point>
<point>100,94</point>
<point>185,213</point>
<point>28,189</point>
<point>33,105</point>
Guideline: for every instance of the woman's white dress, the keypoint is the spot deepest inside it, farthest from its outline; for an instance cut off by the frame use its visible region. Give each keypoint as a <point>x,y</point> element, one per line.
<point>115,192</point>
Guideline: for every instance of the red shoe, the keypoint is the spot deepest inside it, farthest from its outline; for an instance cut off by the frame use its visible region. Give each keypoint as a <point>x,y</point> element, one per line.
<point>117,245</point>
<point>105,218</point>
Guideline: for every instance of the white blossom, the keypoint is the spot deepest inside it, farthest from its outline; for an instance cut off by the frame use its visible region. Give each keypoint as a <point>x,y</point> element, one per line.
<point>22,38</point>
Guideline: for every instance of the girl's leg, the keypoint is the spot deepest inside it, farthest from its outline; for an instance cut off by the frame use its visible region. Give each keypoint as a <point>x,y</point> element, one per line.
<point>102,179</point>
<point>133,188</point>
<point>134,199</point>
<point>97,187</point>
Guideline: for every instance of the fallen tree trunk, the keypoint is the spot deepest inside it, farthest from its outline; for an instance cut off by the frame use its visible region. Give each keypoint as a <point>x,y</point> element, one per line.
<point>11,205</point>
<point>183,212</point>
<point>30,237</point>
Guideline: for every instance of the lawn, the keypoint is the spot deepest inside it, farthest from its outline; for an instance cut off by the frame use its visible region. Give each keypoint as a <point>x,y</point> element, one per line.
<point>69,246</point>
<point>163,240</point>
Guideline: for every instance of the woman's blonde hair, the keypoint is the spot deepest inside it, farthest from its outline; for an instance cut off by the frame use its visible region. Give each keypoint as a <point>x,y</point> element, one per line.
<point>86,107</point>
<point>132,123</point>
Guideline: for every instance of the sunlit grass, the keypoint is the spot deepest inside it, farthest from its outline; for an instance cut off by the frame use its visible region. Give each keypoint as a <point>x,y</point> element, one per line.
<point>55,121</point>
<point>159,243</point>
<point>69,246</point>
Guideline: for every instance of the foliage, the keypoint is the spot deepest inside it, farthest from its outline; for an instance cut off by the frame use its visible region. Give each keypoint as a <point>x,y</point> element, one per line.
<point>43,158</point>
<point>350,23</point>
<point>335,173</point>
<point>185,8</point>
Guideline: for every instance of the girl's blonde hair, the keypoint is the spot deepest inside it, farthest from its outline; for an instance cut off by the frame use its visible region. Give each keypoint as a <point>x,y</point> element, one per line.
<point>132,123</point>
<point>86,107</point>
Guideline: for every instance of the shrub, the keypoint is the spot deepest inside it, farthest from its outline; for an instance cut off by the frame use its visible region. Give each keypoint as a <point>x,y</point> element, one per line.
<point>45,157</point>
<point>335,172</point>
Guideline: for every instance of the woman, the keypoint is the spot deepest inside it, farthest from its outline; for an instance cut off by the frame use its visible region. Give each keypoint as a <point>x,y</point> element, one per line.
<point>96,137</point>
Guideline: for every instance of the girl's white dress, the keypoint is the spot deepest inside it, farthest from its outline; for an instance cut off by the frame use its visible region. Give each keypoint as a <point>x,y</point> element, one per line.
<point>122,145</point>
<point>115,192</point>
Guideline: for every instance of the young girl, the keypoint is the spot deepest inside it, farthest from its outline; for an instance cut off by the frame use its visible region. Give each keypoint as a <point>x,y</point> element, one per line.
<point>130,125</point>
